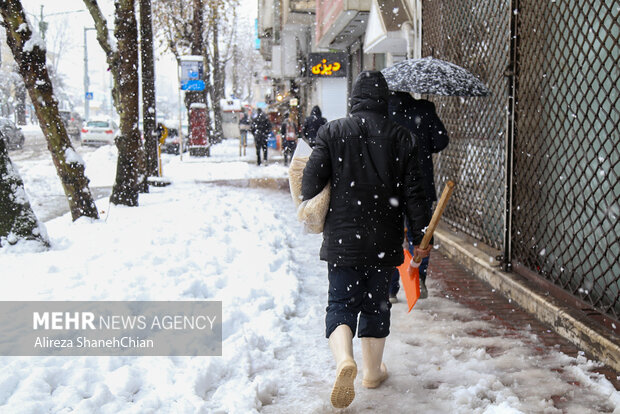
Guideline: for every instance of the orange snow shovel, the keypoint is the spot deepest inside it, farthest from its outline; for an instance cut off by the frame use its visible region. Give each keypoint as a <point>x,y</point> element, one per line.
<point>410,275</point>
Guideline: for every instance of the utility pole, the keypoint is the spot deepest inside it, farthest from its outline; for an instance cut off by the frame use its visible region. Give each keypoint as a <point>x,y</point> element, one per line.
<point>86,80</point>
<point>87,93</point>
<point>42,25</point>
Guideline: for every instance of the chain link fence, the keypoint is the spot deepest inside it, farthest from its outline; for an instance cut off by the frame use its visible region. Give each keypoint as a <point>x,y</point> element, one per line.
<point>566,156</point>
<point>477,38</point>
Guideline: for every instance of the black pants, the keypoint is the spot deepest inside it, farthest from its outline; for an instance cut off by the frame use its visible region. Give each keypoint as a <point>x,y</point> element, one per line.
<point>288,148</point>
<point>359,290</point>
<point>258,151</point>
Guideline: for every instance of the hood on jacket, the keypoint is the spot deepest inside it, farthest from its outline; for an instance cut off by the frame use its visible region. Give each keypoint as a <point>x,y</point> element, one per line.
<point>316,112</point>
<point>370,93</point>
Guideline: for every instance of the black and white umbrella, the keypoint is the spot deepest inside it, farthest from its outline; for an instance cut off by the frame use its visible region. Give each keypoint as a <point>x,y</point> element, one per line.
<point>430,76</point>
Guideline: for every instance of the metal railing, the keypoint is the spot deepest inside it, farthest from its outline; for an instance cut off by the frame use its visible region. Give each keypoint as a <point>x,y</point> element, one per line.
<point>553,69</point>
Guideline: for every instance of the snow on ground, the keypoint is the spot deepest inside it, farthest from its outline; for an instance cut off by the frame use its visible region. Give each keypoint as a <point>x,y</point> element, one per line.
<point>196,240</point>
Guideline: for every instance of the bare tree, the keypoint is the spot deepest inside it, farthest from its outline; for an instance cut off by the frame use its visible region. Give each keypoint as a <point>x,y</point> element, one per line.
<point>58,42</point>
<point>178,24</point>
<point>245,68</point>
<point>20,107</point>
<point>180,30</point>
<point>11,81</point>
<point>173,28</point>
<point>123,62</point>
<point>29,54</point>
<point>221,21</point>
<point>196,48</point>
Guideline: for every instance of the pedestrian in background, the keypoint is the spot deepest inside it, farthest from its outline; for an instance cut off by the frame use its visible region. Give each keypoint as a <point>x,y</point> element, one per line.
<point>260,128</point>
<point>288,132</point>
<point>372,164</point>
<point>419,117</point>
<point>312,124</point>
<point>244,127</point>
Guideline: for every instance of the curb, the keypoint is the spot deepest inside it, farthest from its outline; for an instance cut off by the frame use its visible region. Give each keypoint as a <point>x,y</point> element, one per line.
<point>273,183</point>
<point>566,321</point>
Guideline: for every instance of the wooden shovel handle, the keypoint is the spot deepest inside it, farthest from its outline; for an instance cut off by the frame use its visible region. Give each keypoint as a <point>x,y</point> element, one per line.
<point>441,205</point>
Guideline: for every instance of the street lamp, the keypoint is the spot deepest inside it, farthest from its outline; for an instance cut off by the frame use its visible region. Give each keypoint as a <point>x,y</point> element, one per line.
<point>43,24</point>
<point>88,95</point>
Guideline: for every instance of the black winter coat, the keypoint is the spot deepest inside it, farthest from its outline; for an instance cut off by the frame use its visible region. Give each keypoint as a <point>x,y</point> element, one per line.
<point>419,117</point>
<point>373,167</point>
<point>260,128</point>
<point>312,124</point>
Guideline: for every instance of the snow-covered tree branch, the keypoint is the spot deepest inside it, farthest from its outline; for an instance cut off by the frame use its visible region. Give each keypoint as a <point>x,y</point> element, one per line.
<point>29,54</point>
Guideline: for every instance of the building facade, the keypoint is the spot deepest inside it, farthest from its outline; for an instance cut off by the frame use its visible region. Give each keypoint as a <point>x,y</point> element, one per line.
<point>285,31</point>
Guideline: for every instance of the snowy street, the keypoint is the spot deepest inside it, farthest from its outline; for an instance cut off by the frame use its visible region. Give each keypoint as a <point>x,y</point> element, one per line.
<point>196,240</point>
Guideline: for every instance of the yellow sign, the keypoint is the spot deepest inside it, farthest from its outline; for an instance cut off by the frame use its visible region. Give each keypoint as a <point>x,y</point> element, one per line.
<point>164,134</point>
<point>323,68</point>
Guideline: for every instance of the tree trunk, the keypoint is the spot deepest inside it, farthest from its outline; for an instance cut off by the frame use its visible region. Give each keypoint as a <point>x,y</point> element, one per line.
<point>237,87</point>
<point>149,114</point>
<point>30,58</point>
<point>208,90</point>
<point>218,76</point>
<point>125,190</point>
<point>17,221</point>
<point>196,49</point>
<point>20,106</point>
<point>123,64</point>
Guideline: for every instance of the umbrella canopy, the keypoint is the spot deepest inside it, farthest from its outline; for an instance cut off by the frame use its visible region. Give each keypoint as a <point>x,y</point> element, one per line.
<point>430,76</point>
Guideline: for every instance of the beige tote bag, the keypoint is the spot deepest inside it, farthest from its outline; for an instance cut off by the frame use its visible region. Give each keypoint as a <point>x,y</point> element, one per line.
<point>310,212</point>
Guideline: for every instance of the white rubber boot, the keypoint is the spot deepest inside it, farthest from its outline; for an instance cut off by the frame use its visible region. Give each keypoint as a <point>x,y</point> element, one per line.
<point>375,371</point>
<point>341,344</point>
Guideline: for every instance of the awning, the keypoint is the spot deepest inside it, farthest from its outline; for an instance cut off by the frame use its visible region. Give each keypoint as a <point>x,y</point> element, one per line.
<point>341,22</point>
<point>384,31</point>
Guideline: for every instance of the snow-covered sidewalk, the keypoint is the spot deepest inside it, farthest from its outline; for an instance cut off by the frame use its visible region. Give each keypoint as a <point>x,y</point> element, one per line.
<point>193,241</point>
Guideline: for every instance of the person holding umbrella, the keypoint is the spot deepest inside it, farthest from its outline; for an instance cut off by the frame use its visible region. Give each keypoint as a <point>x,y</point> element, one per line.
<point>372,164</point>
<point>426,76</point>
<point>419,117</point>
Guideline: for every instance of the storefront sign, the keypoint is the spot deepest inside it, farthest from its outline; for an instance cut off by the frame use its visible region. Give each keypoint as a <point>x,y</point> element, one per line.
<point>329,65</point>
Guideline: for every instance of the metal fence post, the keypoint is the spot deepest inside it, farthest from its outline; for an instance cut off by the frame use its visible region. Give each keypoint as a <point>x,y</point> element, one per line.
<point>511,73</point>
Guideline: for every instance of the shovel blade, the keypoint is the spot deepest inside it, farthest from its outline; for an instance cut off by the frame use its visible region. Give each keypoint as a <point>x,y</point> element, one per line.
<point>410,277</point>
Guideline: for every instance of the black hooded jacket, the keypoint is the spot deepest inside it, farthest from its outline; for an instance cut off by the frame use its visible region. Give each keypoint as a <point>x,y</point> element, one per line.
<point>260,128</point>
<point>419,117</point>
<point>312,124</point>
<point>373,167</point>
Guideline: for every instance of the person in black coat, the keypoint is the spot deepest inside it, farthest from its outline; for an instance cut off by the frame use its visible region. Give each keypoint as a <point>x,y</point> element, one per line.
<point>419,117</point>
<point>260,128</point>
<point>312,124</point>
<point>372,164</point>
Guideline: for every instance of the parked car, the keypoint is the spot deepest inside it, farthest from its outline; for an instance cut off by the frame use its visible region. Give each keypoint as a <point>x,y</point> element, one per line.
<point>73,124</point>
<point>12,134</point>
<point>99,132</point>
<point>172,140</point>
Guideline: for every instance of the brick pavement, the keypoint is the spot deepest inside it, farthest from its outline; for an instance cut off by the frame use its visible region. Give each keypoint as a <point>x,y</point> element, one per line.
<point>464,287</point>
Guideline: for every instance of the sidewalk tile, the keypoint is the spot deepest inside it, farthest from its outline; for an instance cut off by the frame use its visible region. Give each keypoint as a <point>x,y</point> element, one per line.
<point>462,286</point>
